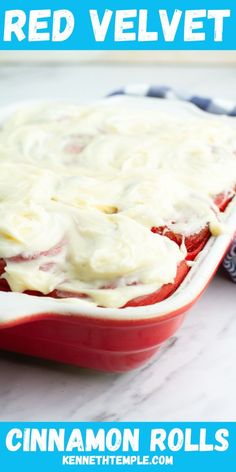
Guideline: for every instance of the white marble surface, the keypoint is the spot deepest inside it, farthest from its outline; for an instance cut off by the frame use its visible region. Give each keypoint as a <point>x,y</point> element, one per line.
<point>194,376</point>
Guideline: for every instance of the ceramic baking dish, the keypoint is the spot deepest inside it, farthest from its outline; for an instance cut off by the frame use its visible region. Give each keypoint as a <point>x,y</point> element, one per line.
<point>116,340</point>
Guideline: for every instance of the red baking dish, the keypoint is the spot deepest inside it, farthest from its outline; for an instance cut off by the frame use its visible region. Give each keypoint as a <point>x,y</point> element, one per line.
<point>112,340</point>
<point>116,340</point>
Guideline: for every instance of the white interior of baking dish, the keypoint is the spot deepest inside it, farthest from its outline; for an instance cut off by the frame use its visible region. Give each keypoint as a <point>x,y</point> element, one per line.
<point>14,306</point>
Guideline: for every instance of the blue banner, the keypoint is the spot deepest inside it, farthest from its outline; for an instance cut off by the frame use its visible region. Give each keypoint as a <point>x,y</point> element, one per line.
<point>117,25</point>
<point>142,446</point>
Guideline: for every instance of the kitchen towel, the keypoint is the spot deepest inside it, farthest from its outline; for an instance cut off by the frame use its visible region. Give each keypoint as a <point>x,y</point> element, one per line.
<point>210,105</point>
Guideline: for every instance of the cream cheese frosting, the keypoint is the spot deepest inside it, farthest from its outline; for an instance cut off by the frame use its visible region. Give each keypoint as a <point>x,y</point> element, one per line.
<point>81,188</point>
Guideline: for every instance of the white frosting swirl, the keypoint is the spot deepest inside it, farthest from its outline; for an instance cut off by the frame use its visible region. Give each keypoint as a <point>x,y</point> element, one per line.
<point>81,188</point>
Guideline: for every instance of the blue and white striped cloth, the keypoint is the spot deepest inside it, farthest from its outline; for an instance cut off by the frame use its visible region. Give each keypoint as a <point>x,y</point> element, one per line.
<point>216,106</point>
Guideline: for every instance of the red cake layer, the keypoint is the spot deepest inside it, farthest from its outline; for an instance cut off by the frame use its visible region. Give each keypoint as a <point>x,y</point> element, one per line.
<point>164,292</point>
<point>194,244</point>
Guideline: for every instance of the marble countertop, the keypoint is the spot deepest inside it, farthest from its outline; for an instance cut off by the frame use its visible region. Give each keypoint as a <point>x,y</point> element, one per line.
<point>194,376</point>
